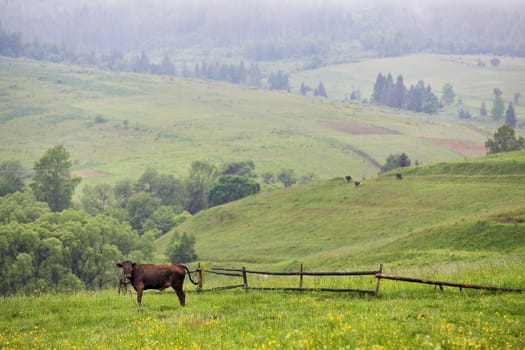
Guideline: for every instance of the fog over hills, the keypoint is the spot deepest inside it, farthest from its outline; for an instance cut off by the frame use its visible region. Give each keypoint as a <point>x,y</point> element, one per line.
<point>387,28</point>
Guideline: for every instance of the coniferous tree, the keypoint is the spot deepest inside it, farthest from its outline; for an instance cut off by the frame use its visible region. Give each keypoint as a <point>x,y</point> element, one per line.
<point>498,106</point>
<point>142,64</point>
<point>430,104</point>
<point>388,91</point>
<point>399,93</point>
<point>415,97</point>
<point>510,116</point>
<point>378,89</point>
<point>320,90</point>
<point>167,66</point>
<point>448,95</point>
<point>483,109</point>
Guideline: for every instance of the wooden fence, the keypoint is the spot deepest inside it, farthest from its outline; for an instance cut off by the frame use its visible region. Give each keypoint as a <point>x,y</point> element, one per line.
<point>448,284</point>
<point>243,275</point>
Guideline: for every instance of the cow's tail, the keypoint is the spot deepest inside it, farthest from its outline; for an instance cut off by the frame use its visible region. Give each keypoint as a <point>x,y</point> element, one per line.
<point>189,275</point>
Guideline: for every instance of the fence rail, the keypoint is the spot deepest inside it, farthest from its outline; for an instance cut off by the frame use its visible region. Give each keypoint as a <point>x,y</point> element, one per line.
<point>243,273</point>
<point>448,284</point>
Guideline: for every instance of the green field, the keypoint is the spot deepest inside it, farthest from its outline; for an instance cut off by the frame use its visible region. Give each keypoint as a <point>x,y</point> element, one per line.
<point>413,319</point>
<point>472,83</point>
<point>458,221</point>
<point>471,205</point>
<point>118,124</point>
<point>454,218</point>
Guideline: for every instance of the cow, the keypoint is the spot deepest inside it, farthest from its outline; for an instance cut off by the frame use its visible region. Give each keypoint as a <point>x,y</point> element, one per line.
<point>399,176</point>
<point>348,178</point>
<point>123,284</point>
<point>151,276</point>
<point>357,183</point>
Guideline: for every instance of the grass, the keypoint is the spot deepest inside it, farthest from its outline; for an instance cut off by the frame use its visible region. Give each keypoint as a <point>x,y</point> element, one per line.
<point>460,221</point>
<point>417,317</point>
<point>467,207</point>
<point>167,123</point>
<point>472,83</point>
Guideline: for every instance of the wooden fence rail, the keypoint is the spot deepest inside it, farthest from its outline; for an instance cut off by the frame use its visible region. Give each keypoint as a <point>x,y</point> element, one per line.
<point>449,284</point>
<point>244,273</point>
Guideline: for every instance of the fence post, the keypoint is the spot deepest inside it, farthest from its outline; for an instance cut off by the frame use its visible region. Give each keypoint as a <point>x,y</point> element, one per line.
<point>244,279</point>
<point>378,279</point>
<point>301,277</point>
<point>199,276</point>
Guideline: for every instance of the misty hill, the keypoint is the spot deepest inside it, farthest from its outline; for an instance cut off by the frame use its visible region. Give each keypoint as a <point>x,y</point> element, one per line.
<point>118,124</point>
<point>272,30</point>
<point>439,213</point>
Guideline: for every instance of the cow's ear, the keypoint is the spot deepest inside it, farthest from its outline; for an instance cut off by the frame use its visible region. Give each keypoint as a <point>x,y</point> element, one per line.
<point>119,265</point>
<point>133,264</point>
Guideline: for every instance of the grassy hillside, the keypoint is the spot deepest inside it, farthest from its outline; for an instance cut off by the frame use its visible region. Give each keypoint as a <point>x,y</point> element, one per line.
<point>438,214</point>
<point>117,124</point>
<point>461,226</point>
<point>472,83</point>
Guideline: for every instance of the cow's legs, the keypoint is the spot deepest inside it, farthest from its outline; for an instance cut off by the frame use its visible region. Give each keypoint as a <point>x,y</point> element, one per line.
<point>139,296</point>
<point>181,295</point>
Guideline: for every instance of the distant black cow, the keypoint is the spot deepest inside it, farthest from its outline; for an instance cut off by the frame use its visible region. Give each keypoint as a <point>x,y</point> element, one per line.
<point>399,176</point>
<point>348,178</point>
<point>150,276</point>
<point>357,183</point>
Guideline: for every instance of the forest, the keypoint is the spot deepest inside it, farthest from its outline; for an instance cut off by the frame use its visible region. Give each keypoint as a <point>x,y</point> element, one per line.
<point>49,243</point>
<point>270,30</point>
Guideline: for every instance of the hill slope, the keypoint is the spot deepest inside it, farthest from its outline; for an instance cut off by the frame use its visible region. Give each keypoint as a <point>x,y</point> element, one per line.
<point>431,216</point>
<point>472,77</point>
<point>118,124</point>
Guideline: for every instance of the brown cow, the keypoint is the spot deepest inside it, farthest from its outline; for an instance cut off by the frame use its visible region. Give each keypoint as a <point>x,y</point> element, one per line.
<point>150,276</point>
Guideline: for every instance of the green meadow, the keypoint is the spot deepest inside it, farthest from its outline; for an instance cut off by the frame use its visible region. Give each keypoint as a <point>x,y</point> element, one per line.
<point>118,124</point>
<point>461,221</point>
<point>454,217</point>
<point>472,205</point>
<point>473,83</point>
<point>414,319</point>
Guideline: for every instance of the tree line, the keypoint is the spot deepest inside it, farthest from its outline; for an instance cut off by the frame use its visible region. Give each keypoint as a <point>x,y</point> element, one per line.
<point>49,243</point>
<point>11,45</point>
<point>417,98</point>
<point>273,30</point>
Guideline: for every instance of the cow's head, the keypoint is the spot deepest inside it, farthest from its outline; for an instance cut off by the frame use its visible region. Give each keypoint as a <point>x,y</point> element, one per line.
<point>127,268</point>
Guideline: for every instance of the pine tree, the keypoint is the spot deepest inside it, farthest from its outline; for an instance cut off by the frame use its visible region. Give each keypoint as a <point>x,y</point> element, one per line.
<point>399,93</point>
<point>498,106</point>
<point>387,95</point>
<point>305,89</point>
<point>320,90</point>
<point>142,64</point>
<point>448,95</point>
<point>167,67</point>
<point>510,116</point>
<point>483,109</point>
<point>378,89</point>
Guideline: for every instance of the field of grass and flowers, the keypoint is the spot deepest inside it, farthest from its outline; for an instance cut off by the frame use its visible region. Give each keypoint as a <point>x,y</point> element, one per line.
<point>402,316</point>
